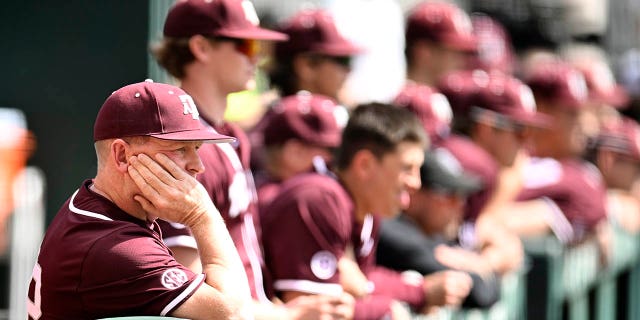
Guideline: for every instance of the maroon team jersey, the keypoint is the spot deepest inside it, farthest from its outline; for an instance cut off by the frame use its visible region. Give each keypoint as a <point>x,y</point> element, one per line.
<point>230,185</point>
<point>574,191</point>
<point>365,237</point>
<point>98,261</point>
<point>306,230</point>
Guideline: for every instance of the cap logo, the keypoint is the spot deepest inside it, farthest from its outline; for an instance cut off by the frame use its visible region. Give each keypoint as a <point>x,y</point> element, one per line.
<point>448,161</point>
<point>250,12</point>
<point>441,108</point>
<point>173,278</point>
<point>602,77</point>
<point>189,106</point>
<point>577,85</point>
<point>527,100</point>
<point>462,23</point>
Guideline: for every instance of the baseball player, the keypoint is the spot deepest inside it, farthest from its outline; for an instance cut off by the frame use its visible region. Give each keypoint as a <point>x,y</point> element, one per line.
<point>438,39</point>
<point>103,256</point>
<point>316,219</point>
<point>298,133</point>
<point>617,155</point>
<point>212,48</point>
<point>425,236</point>
<point>569,198</point>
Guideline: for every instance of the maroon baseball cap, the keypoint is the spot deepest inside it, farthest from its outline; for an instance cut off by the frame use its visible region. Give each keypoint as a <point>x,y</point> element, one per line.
<point>558,82</point>
<point>431,107</point>
<point>495,91</point>
<point>510,97</point>
<point>218,18</point>
<point>303,116</point>
<point>601,83</point>
<point>460,88</point>
<point>152,109</point>
<point>494,45</point>
<point>623,137</point>
<point>313,31</point>
<point>443,23</point>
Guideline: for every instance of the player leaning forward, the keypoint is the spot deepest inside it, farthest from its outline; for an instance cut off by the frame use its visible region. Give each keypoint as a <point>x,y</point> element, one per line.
<point>102,255</point>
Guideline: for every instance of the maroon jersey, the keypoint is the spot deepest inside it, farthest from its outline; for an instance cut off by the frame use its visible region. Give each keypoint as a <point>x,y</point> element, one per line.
<point>268,189</point>
<point>478,162</point>
<point>307,229</point>
<point>98,261</point>
<point>574,191</point>
<point>365,237</point>
<point>230,185</point>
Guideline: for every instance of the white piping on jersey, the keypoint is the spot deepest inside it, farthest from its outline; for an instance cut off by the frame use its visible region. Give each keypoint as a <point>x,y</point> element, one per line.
<point>250,243</point>
<point>181,241</point>
<point>194,284</point>
<point>249,235</point>
<point>331,289</point>
<point>558,222</point>
<point>365,236</point>
<point>85,212</point>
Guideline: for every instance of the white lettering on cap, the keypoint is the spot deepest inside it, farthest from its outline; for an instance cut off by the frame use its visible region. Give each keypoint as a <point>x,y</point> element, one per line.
<point>250,12</point>
<point>189,106</point>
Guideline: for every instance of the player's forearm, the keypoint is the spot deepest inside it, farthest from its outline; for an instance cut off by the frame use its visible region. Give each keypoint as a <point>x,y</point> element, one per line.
<point>220,261</point>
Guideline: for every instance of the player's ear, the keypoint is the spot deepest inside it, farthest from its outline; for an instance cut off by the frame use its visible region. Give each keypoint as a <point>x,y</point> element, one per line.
<point>199,46</point>
<point>119,154</point>
<point>363,163</point>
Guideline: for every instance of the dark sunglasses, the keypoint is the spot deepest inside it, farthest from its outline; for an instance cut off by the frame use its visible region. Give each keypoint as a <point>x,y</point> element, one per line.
<point>344,61</point>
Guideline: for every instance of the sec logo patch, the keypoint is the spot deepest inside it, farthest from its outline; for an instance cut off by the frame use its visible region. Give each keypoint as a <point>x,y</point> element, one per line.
<point>174,278</point>
<point>324,264</point>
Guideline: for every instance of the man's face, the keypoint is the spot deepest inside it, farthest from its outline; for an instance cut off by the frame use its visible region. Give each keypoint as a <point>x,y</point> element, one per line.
<point>396,175</point>
<point>230,65</point>
<point>330,73</point>
<point>565,137</point>
<point>183,154</point>
<point>506,142</point>
<point>438,212</point>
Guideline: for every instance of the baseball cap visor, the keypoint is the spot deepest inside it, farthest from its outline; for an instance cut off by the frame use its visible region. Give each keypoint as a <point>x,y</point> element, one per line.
<point>254,33</point>
<point>203,135</point>
<point>538,120</point>
<point>466,43</point>
<point>344,48</point>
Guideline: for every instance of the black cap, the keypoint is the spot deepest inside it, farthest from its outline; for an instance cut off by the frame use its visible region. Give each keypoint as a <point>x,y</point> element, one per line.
<point>442,171</point>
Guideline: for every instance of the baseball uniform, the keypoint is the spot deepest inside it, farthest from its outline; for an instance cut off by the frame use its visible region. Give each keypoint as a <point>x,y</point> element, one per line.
<point>307,229</point>
<point>573,190</point>
<point>72,281</point>
<point>230,185</point>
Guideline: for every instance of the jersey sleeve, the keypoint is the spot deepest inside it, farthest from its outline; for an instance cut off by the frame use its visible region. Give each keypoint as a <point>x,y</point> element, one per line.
<point>305,232</point>
<point>176,235</point>
<point>140,277</point>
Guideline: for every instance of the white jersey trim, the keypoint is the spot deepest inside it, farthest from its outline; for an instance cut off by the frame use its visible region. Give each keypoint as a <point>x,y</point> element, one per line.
<point>557,221</point>
<point>331,289</point>
<point>181,241</point>
<point>85,212</point>
<point>194,284</point>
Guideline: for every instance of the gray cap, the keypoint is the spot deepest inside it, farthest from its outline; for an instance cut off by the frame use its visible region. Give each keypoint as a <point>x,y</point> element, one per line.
<point>442,171</point>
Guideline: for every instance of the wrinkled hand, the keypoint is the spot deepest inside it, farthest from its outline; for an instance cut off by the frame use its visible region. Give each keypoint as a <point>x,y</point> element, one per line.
<point>446,288</point>
<point>168,191</point>
<point>320,307</point>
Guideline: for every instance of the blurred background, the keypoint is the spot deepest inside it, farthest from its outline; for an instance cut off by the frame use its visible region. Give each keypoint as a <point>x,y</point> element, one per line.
<point>60,60</point>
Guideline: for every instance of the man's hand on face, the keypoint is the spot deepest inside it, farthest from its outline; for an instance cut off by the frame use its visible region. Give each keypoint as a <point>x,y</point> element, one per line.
<point>168,191</point>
